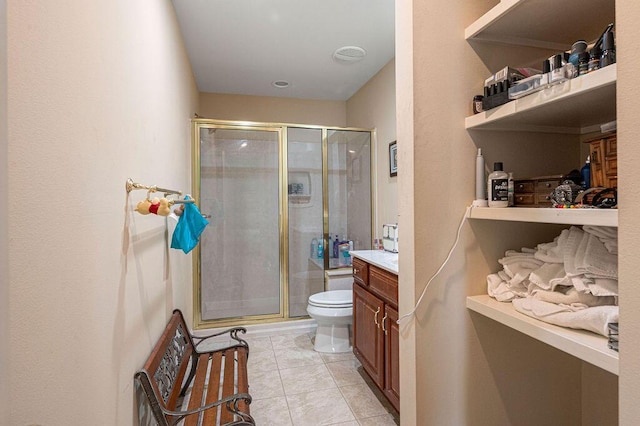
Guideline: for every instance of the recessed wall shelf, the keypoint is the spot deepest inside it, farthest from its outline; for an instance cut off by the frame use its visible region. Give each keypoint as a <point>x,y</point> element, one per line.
<point>596,217</point>
<point>576,106</point>
<point>535,24</point>
<point>584,345</point>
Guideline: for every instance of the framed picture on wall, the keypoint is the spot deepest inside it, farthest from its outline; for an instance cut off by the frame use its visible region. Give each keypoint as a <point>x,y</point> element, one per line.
<point>393,159</point>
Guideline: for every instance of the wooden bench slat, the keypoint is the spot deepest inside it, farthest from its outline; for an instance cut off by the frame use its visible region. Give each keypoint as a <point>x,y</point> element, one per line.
<point>213,388</point>
<point>195,400</point>
<point>243,383</point>
<point>228,386</point>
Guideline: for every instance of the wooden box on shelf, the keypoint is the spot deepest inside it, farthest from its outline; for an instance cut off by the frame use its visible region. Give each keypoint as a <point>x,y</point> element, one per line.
<point>604,161</point>
<point>535,191</point>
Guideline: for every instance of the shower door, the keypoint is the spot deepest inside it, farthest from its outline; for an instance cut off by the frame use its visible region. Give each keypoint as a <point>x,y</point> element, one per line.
<point>305,216</point>
<point>240,250</point>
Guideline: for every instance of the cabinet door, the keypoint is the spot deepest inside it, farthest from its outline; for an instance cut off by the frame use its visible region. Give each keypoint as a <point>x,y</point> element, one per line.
<point>392,356</point>
<point>597,164</point>
<point>368,339</point>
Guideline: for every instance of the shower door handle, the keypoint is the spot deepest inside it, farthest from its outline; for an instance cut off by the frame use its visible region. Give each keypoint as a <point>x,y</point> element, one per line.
<point>375,317</point>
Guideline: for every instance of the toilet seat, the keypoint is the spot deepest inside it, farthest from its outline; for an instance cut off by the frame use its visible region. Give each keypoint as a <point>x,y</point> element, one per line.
<point>332,299</point>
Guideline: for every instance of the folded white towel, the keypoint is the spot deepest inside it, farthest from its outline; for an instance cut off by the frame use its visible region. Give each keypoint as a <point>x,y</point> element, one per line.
<point>593,258</point>
<point>546,274</point>
<point>607,234</point>
<point>570,249</point>
<point>501,290</point>
<point>594,319</point>
<point>571,296</point>
<point>603,287</point>
<point>553,252</point>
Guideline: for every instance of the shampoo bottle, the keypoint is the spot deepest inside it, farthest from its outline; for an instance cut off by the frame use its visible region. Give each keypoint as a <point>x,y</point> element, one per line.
<point>498,187</point>
<point>585,173</point>
<point>320,248</point>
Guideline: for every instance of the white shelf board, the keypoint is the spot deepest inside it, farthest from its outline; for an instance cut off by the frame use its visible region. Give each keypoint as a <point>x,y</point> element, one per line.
<point>584,345</point>
<point>543,23</point>
<point>574,106</point>
<point>596,217</point>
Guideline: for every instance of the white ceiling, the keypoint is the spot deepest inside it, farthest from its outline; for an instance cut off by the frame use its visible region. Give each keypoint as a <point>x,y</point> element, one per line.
<point>242,46</point>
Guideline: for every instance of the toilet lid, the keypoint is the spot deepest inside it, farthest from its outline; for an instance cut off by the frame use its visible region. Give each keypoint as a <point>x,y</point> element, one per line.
<point>332,299</point>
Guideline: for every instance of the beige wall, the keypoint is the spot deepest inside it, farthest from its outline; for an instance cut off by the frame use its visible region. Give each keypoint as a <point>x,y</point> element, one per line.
<point>628,31</point>
<point>4,275</point>
<point>374,106</point>
<point>272,110</point>
<point>97,92</point>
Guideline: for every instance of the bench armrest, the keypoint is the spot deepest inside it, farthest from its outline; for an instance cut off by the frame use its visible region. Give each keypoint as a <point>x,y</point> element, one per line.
<point>231,403</point>
<point>233,334</point>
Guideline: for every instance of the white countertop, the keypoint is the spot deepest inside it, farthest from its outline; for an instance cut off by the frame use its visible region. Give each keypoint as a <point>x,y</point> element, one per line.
<point>383,259</point>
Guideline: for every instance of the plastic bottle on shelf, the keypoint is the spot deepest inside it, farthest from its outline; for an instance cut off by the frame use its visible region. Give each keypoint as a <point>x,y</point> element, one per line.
<point>608,50</point>
<point>336,244</point>
<point>511,191</point>
<point>320,248</point>
<point>585,174</point>
<point>498,187</point>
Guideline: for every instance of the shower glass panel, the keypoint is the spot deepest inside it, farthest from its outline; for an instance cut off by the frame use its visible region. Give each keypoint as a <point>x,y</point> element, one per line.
<point>349,190</point>
<point>304,170</point>
<point>240,249</point>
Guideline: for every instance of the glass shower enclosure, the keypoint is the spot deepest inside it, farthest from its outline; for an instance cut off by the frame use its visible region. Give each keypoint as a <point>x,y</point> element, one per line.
<point>276,197</point>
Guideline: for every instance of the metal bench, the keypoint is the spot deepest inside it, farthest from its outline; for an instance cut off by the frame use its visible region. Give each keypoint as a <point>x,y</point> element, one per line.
<point>215,391</point>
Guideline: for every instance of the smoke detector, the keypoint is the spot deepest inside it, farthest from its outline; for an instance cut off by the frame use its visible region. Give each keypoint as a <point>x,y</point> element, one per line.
<point>280,84</point>
<point>349,54</point>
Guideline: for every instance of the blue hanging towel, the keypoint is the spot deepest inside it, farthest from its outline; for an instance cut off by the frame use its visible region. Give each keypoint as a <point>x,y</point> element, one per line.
<point>189,227</point>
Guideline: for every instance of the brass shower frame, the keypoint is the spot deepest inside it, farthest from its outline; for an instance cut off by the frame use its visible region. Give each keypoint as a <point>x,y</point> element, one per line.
<point>283,222</point>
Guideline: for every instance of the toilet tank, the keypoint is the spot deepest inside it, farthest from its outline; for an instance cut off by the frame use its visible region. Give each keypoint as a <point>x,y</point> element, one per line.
<point>339,279</point>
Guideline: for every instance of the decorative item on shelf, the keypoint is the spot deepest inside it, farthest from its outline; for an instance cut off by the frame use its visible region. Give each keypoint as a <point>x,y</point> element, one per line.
<point>565,194</point>
<point>393,159</point>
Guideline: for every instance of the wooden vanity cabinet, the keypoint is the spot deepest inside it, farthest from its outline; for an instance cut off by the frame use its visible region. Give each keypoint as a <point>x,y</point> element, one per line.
<point>376,336</point>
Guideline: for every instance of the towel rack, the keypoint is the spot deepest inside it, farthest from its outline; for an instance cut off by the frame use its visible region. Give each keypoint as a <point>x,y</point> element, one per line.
<point>131,185</point>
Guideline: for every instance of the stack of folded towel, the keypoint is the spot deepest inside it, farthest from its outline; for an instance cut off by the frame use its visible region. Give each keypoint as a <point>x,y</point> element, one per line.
<point>571,281</point>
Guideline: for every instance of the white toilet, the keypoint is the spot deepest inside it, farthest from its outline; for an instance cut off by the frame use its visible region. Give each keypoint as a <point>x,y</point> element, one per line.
<point>333,311</point>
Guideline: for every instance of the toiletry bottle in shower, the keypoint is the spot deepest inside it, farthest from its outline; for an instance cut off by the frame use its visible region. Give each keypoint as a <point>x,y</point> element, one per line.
<point>336,249</point>
<point>498,187</point>
<point>314,248</point>
<point>320,248</point>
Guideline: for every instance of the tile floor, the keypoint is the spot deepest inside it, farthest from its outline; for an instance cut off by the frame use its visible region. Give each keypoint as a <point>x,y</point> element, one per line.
<point>291,384</point>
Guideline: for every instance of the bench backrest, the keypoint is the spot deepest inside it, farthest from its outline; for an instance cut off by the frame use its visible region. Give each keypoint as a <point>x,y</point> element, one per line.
<point>163,374</point>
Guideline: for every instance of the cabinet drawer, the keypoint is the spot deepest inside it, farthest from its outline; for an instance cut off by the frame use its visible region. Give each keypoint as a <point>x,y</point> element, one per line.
<point>543,198</point>
<point>546,186</point>
<point>384,284</point>
<point>360,271</point>
<point>523,186</point>
<point>525,199</point>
